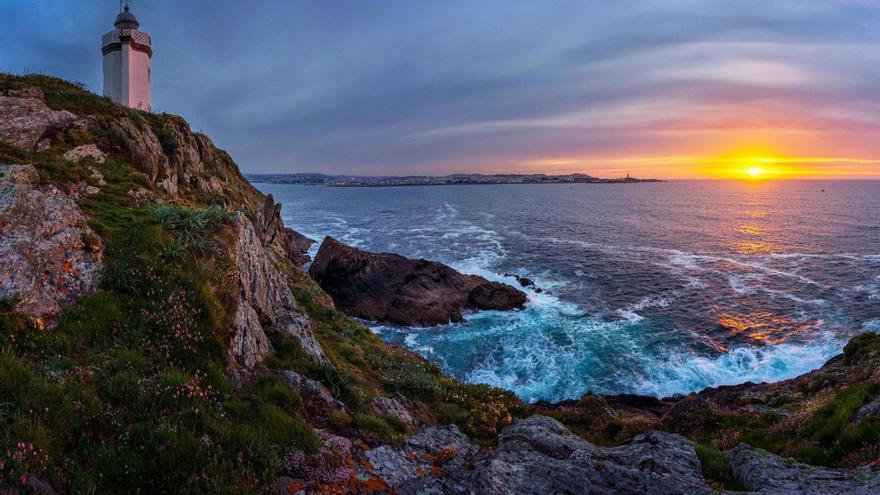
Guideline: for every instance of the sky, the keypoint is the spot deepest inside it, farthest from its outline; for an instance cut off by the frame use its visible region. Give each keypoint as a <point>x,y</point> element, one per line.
<point>654,88</point>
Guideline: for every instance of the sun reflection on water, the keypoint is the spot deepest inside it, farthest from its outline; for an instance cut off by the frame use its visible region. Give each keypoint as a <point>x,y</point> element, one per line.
<point>765,327</point>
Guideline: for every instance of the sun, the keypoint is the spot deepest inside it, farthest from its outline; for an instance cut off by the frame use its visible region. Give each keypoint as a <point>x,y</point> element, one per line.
<point>755,172</point>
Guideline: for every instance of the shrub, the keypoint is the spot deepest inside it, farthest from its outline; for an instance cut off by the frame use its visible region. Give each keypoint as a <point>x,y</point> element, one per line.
<point>861,347</point>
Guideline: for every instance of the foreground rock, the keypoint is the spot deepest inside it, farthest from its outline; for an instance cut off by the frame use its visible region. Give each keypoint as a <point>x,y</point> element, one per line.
<point>391,288</point>
<point>766,473</point>
<point>539,455</point>
<point>48,254</point>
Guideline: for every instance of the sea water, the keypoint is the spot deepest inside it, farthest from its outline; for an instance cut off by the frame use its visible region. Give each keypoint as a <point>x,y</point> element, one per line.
<point>653,288</point>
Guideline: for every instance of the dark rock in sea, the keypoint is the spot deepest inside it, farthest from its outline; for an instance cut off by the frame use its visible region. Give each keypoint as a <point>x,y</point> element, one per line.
<point>297,246</point>
<point>391,288</point>
<point>525,282</point>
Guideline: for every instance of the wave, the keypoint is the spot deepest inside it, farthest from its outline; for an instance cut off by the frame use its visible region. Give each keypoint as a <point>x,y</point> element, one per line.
<point>683,373</point>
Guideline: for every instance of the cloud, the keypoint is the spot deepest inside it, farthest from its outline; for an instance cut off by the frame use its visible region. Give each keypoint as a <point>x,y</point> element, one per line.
<point>391,86</point>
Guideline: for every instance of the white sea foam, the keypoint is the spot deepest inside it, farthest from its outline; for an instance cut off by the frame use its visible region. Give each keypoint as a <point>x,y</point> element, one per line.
<point>685,372</point>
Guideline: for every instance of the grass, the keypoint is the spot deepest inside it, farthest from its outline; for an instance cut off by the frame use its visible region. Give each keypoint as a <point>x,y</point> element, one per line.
<point>716,470</point>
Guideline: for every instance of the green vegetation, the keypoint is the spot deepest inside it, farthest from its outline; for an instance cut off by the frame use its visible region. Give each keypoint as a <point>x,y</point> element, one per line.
<point>716,470</point>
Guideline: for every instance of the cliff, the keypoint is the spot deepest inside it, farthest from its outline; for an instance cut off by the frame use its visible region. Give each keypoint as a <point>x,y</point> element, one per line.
<point>158,335</point>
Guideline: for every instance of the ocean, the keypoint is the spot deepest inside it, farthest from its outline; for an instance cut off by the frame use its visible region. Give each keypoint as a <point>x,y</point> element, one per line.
<point>654,288</point>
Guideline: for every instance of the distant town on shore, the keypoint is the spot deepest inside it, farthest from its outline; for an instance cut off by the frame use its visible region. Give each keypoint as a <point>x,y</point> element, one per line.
<point>442,180</point>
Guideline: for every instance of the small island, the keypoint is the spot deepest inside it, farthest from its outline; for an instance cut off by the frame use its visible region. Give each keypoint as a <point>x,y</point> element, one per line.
<point>441,180</point>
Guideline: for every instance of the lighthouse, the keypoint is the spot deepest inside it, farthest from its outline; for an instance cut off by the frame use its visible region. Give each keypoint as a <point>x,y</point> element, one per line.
<point>127,54</point>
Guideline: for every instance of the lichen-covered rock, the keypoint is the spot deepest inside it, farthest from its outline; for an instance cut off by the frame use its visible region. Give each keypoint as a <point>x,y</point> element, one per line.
<point>264,298</point>
<point>437,460</point>
<point>28,123</point>
<point>48,254</point>
<point>85,151</point>
<point>538,455</point>
<point>769,474</point>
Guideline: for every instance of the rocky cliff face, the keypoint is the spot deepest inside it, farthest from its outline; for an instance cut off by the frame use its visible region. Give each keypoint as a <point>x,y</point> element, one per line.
<point>391,288</point>
<point>50,256</point>
<point>264,298</point>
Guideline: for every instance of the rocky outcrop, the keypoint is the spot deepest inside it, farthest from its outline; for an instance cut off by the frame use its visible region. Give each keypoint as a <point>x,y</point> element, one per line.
<point>28,123</point>
<point>297,246</point>
<point>538,455</point>
<point>48,254</point>
<point>868,411</point>
<point>525,282</point>
<point>264,301</point>
<point>409,412</point>
<point>391,288</point>
<point>766,473</point>
<point>437,460</point>
<point>312,392</point>
<point>86,151</point>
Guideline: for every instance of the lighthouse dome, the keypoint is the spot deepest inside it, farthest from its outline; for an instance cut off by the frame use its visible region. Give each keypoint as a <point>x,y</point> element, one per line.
<point>126,20</point>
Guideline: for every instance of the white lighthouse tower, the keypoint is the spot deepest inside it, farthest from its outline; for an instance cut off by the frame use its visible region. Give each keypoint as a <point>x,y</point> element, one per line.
<point>127,53</point>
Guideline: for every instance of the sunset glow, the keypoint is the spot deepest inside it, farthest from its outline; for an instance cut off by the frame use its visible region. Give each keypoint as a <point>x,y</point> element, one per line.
<point>711,90</point>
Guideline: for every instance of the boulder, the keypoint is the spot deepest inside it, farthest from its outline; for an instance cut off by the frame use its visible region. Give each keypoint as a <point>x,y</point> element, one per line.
<point>765,473</point>
<point>85,151</point>
<point>49,255</point>
<point>28,123</point>
<point>391,288</point>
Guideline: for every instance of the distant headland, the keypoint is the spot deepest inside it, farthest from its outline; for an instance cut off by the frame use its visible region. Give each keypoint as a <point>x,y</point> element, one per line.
<point>441,180</point>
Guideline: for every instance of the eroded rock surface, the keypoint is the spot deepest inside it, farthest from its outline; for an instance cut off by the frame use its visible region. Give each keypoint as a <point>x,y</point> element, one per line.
<point>264,301</point>
<point>311,390</point>
<point>28,123</point>
<point>86,151</point>
<point>48,254</point>
<point>768,474</point>
<point>538,455</point>
<point>391,288</point>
